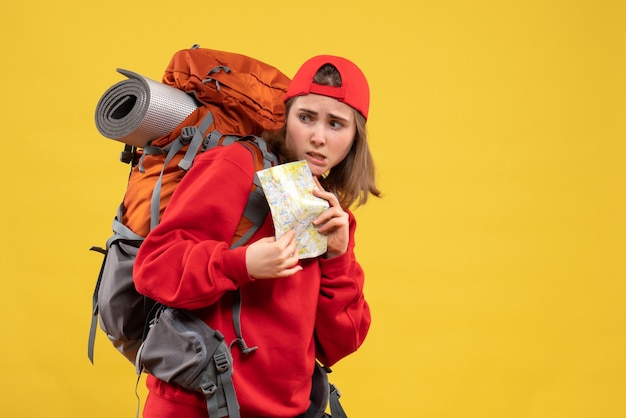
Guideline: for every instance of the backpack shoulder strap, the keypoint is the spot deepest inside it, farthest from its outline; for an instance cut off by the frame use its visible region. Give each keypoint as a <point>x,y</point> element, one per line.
<point>256,211</point>
<point>256,208</point>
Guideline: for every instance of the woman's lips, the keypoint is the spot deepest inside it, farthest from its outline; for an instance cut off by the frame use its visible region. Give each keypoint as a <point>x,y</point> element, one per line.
<point>316,158</point>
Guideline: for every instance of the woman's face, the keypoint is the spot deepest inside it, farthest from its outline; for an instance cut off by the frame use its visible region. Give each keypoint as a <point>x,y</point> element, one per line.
<point>320,130</point>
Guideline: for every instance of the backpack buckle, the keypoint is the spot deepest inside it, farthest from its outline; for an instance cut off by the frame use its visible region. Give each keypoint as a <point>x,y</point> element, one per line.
<point>208,388</point>
<point>186,134</point>
<point>128,154</point>
<point>221,362</point>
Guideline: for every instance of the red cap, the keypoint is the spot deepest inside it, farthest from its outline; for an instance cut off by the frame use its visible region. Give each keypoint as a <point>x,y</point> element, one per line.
<point>354,90</point>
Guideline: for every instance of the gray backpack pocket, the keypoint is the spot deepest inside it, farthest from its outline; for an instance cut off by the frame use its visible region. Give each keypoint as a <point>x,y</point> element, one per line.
<point>182,349</point>
<point>123,311</point>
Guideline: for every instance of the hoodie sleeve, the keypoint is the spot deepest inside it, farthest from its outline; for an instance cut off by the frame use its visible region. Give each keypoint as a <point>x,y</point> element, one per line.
<point>186,261</point>
<point>343,315</point>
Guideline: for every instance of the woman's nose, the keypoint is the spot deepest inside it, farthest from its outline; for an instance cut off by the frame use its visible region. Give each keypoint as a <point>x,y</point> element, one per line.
<point>318,136</point>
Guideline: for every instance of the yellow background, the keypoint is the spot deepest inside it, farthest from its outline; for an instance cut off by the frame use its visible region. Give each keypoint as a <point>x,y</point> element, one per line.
<point>495,261</point>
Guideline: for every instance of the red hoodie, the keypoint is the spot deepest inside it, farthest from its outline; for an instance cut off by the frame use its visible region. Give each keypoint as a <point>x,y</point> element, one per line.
<point>185,262</point>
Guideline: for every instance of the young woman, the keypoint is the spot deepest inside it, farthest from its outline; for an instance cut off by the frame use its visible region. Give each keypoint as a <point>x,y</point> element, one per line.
<point>294,311</point>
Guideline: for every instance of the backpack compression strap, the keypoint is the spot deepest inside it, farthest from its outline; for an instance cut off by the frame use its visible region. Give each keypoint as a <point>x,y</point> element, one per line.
<point>196,137</point>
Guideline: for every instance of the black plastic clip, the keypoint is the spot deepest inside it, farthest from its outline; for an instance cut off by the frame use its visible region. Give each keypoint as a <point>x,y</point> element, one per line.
<point>128,154</point>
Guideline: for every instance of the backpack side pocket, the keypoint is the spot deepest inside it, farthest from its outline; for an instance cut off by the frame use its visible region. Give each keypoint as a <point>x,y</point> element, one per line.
<point>180,348</point>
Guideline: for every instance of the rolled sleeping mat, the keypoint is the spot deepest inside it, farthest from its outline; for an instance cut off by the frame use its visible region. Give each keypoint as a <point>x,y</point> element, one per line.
<point>139,110</point>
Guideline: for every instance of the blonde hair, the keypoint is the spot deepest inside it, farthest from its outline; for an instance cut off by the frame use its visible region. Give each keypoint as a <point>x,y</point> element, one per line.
<point>354,178</point>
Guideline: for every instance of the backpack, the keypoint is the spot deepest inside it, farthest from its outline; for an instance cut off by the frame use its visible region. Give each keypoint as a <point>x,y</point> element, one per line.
<point>211,79</point>
<point>229,98</point>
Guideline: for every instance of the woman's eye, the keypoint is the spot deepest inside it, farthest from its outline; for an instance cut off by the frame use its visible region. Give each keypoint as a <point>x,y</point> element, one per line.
<point>336,124</point>
<point>304,117</point>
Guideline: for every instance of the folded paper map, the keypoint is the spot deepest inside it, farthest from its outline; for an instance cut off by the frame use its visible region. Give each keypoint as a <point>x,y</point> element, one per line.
<point>288,189</point>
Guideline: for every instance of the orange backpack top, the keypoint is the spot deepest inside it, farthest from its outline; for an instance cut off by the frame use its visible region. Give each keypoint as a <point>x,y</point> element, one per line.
<point>242,95</point>
<point>249,92</point>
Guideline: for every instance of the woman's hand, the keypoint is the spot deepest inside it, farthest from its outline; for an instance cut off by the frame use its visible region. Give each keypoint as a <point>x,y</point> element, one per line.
<point>334,223</point>
<point>269,258</point>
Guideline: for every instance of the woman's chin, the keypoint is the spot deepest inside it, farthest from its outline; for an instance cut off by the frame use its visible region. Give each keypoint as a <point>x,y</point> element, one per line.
<point>317,167</point>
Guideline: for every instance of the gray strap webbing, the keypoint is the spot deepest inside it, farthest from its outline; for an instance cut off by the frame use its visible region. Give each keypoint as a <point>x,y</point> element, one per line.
<point>151,150</point>
<point>256,211</point>
<point>336,410</point>
<point>196,142</point>
<point>226,380</point>
<point>213,139</point>
<point>222,391</point>
<point>155,204</point>
<point>230,139</point>
<point>94,316</point>
<point>269,159</point>
<point>121,231</point>
<point>236,294</point>
<point>137,395</point>
<point>212,406</point>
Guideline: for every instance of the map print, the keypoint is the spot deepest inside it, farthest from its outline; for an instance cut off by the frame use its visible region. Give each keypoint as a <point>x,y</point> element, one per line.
<point>288,189</point>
